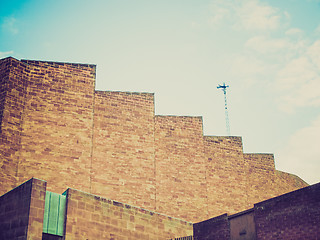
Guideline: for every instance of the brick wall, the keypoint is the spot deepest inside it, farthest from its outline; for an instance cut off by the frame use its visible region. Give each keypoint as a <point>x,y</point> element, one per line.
<point>288,182</point>
<point>180,167</point>
<point>123,147</point>
<point>292,216</point>
<point>4,78</point>
<point>57,125</point>
<point>217,228</point>
<point>13,80</point>
<point>21,211</point>
<point>93,217</point>
<point>295,215</point>
<point>226,175</point>
<point>264,181</point>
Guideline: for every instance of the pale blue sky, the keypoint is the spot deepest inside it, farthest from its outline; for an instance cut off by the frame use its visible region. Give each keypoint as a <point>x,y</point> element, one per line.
<point>268,51</point>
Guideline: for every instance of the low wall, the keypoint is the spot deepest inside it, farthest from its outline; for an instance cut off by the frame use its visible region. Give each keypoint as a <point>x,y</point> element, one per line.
<point>214,228</point>
<point>87,217</point>
<point>295,215</point>
<point>94,217</point>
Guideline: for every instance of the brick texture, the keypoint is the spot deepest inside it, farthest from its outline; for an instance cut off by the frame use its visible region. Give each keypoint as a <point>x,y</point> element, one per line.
<point>217,228</point>
<point>295,215</point>
<point>264,181</point>
<point>55,126</point>
<point>123,147</point>
<point>226,175</point>
<point>180,167</point>
<point>93,217</point>
<point>289,182</point>
<point>261,177</point>
<point>21,211</point>
<point>291,216</point>
<point>13,80</point>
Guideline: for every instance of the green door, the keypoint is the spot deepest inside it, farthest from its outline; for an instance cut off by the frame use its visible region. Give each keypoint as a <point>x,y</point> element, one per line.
<point>54,213</point>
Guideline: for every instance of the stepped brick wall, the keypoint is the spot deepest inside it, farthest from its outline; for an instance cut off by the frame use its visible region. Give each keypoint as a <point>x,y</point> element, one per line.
<point>263,179</point>
<point>55,126</point>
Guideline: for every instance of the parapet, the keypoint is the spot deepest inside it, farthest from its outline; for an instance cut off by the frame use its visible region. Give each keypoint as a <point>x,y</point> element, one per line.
<point>58,64</point>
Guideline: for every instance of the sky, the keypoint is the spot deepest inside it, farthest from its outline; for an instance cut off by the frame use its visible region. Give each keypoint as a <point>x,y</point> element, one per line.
<point>267,51</point>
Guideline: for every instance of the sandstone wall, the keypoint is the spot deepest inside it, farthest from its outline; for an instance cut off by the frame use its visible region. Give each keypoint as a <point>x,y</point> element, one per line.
<point>56,144</point>
<point>180,167</point>
<point>264,181</point>
<point>94,217</point>
<point>123,147</point>
<point>289,182</point>
<point>13,83</point>
<point>261,176</point>
<point>56,127</point>
<point>226,175</point>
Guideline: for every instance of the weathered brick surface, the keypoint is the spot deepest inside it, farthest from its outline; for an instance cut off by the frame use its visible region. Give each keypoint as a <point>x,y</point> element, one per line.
<point>54,126</point>
<point>13,80</point>
<point>226,175</point>
<point>21,211</point>
<point>5,67</point>
<point>264,181</point>
<point>217,228</point>
<point>123,147</point>
<point>94,217</point>
<point>295,215</point>
<point>288,182</point>
<point>180,167</point>
<point>56,144</point>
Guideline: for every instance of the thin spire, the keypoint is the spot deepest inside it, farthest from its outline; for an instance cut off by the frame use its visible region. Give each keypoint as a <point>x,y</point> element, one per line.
<point>224,89</point>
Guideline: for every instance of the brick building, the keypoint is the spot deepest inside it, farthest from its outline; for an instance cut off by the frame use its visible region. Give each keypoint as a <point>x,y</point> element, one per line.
<point>294,215</point>
<point>110,145</point>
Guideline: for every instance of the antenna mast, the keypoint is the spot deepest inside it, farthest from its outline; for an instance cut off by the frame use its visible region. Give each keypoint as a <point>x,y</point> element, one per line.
<point>224,89</point>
